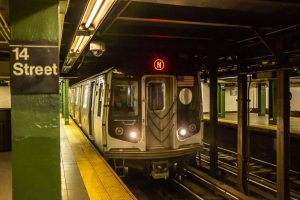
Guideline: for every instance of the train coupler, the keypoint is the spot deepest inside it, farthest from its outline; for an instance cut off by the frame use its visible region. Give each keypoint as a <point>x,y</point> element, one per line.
<point>160,169</point>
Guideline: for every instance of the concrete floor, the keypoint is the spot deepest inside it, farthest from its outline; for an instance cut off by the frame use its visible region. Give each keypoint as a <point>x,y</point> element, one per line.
<point>72,187</point>
<point>84,172</point>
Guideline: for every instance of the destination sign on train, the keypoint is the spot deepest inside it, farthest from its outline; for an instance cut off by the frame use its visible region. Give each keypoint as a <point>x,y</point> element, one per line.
<point>34,69</point>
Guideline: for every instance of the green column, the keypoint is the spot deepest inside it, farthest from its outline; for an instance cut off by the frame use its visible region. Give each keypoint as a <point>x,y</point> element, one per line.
<point>221,101</point>
<point>61,109</point>
<point>66,100</point>
<point>272,102</point>
<point>35,117</point>
<point>261,99</point>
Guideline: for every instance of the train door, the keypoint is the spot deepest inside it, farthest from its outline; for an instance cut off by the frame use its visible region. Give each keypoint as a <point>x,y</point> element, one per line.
<point>91,108</point>
<point>97,114</point>
<point>160,115</point>
<point>85,108</point>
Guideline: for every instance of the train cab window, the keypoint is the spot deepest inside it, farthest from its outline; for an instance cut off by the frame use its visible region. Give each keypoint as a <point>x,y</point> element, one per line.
<point>156,96</point>
<point>99,99</point>
<point>85,97</point>
<point>124,98</point>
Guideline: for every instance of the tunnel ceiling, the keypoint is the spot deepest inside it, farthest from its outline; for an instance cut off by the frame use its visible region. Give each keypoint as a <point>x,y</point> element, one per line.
<point>235,35</point>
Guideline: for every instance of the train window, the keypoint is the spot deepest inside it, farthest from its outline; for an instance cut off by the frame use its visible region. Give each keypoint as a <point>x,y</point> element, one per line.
<point>85,97</point>
<point>185,96</point>
<point>99,99</point>
<point>156,95</point>
<point>124,98</point>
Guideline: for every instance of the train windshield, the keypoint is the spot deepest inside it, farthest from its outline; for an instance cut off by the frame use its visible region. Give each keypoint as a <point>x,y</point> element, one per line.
<point>124,98</point>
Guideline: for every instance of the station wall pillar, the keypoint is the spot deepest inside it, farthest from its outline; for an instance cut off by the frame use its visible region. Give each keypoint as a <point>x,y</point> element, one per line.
<point>283,136</point>
<point>242,134</point>
<point>65,94</point>
<point>261,99</point>
<point>213,132</point>
<point>272,101</point>
<point>221,100</point>
<point>35,100</point>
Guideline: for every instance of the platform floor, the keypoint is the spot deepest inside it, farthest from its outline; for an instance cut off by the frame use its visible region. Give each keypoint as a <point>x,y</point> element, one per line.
<point>99,179</point>
<point>259,121</point>
<point>84,172</point>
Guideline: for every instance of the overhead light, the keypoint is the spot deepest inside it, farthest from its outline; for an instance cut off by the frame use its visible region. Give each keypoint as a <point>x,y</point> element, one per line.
<point>93,13</point>
<point>77,44</point>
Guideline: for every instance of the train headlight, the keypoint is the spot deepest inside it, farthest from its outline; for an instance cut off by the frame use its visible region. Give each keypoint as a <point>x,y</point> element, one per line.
<point>182,132</point>
<point>119,131</point>
<point>133,134</point>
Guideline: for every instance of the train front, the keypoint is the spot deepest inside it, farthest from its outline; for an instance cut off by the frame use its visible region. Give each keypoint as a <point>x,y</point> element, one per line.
<point>153,122</point>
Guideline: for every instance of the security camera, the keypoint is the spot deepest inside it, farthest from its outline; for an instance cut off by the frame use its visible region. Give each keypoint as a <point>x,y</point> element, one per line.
<point>97,48</point>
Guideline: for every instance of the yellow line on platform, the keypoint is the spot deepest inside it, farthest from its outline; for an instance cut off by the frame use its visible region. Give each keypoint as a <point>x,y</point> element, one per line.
<point>99,179</point>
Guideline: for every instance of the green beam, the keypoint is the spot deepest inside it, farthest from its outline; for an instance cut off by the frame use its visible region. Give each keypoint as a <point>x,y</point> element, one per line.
<point>65,100</point>
<point>221,101</point>
<point>261,99</point>
<point>272,101</point>
<point>35,117</point>
<point>61,109</point>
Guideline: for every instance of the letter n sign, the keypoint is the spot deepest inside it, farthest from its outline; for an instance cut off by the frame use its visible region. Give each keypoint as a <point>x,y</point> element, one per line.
<point>159,65</point>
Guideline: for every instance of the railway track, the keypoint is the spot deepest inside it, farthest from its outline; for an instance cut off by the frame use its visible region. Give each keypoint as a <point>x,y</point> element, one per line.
<point>183,187</point>
<point>262,174</point>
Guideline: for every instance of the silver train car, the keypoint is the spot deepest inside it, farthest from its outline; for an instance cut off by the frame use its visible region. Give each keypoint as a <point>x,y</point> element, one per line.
<point>148,122</point>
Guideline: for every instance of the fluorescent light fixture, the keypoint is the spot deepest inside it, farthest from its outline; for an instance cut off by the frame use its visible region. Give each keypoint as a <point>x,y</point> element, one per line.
<point>93,13</point>
<point>78,43</point>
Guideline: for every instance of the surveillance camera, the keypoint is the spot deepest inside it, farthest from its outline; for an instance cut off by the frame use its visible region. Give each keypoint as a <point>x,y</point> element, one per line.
<point>97,48</point>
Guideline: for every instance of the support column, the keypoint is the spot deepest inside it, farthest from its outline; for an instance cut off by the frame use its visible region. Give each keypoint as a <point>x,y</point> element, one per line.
<point>272,101</point>
<point>221,101</point>
<point>35,107</point>
<point>243,134</point>
<point>213,93</point>
<point>261,99</point>
<point>66,100</point>
<point>61,109</point>
<point>283,135</point>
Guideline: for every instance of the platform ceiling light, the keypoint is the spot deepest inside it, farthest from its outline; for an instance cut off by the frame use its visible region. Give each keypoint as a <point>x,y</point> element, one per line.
<point>94,14</point>
<point>78,43</point>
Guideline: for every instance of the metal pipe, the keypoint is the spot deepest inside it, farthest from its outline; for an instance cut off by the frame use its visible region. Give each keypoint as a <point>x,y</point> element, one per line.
<point>3,35</point>
<point>4,32</point>
<point>267,34</point>
<point>4,22</point>
<point>154,20</point>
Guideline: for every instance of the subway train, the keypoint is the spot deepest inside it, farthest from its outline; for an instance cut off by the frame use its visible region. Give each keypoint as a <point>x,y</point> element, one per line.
<point>148,122</point>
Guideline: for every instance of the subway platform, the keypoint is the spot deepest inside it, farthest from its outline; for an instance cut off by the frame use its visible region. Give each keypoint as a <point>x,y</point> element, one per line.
<point>84,172</point>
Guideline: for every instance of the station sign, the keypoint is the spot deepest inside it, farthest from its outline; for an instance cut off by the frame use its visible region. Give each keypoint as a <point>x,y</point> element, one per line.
<point>34,68</point>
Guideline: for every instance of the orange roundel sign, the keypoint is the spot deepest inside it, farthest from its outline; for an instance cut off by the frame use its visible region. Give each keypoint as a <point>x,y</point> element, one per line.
<point>159,64</point>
